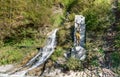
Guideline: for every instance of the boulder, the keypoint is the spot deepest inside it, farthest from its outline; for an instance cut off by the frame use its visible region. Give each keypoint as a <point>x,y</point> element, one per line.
<point>79,53</point>
<point>5,68</point>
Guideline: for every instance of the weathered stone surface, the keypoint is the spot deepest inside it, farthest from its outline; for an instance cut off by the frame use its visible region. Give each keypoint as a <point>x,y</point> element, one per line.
<point>79,39</point>
<point>80,25</point>
<point>79,53</point>
<point>5,68</point>
<point>86,73</point>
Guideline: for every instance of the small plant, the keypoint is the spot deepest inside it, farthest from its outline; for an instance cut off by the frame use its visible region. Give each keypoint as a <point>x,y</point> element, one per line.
<point>116,59</point>
<point>57,19</point>
<point>71,17</point>
<point>57,53</point>
<point>73,64</point>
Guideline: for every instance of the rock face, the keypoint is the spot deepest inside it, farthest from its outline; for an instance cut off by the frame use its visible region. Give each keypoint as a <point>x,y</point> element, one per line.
<point>79,38</point>
<point>80,27</point>
<point>78,50</point>
<point>79,53</point>
<point>6,68</point>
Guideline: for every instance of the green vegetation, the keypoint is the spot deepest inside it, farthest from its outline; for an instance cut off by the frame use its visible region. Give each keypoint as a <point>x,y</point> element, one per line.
<point>23,23</point>
<point>58,53</point>
<point>10,56</point>
<point>74,64</point>
<point>27,22</point>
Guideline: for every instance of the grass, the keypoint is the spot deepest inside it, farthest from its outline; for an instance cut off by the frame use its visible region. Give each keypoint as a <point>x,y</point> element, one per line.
<point>73,64</point>
<point>10,55</point>
<point>15,55</point>
<point>57,53</point>
<point>17,52</point>
<point>58,19</point>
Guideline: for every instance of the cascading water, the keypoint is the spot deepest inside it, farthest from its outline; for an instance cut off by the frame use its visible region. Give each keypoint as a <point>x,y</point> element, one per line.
<point>40,58</point>
<point>46,51</point>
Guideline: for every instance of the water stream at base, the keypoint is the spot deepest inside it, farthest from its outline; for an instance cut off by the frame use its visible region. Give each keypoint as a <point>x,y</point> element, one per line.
<point>40,58</point>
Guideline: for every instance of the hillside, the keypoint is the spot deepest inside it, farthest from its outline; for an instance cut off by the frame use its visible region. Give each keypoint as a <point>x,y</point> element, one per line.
<point>25,25</point>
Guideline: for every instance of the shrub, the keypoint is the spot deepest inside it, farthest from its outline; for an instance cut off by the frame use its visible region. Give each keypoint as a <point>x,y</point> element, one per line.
<point>115,59</point>
<point>15,18</point>
<point>97,13</point>
<point>57,53</point>
<point>74,64</point>
<point>10,56</point>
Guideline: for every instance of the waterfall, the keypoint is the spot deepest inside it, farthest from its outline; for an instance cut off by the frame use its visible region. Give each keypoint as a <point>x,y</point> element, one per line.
<point>46,52</point>
<point>40,58</point>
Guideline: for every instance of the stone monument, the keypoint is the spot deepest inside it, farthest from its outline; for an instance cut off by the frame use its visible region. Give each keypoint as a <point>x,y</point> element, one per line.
<point>78,51</point>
